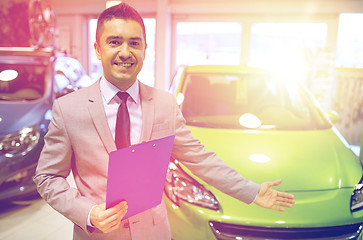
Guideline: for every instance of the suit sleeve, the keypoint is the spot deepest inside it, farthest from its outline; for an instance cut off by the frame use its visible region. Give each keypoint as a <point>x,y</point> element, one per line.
<point>53,168</point>
<point>208,166</point>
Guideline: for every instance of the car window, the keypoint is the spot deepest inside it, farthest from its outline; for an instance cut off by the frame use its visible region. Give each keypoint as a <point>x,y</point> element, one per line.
<point>19,82</point>
<point>228,100</point>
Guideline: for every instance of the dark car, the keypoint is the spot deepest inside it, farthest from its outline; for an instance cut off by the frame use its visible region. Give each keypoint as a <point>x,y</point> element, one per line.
<point>30,80</point>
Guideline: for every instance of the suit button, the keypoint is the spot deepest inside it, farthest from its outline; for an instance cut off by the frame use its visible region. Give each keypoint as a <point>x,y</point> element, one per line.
<point>126,225</point>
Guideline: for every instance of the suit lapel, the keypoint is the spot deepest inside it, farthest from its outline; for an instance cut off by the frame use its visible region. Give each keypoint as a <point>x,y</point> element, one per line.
<point>147,106</point>
<point>98,115</point>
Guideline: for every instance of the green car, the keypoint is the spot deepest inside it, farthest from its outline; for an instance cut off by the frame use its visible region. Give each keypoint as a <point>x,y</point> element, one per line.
<point>265,127</point>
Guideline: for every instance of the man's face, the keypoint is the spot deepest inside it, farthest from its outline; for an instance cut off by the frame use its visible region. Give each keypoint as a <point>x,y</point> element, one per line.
<point>121,49</point>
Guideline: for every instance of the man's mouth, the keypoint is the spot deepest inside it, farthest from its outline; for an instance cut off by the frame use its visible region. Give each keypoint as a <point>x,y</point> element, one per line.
<point>123,64</point>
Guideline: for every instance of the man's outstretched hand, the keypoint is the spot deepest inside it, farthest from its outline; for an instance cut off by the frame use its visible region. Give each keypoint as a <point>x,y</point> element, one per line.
<point>269,198</point>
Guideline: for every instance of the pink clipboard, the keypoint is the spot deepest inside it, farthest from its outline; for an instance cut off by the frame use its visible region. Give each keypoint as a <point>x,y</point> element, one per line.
<point>137,174</point>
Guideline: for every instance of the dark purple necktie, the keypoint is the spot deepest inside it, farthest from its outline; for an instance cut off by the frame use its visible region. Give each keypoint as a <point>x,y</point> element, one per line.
<point>122,132</point>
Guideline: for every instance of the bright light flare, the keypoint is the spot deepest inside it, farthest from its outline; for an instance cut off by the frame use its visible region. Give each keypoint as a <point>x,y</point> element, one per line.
<point>8,75</point>
<point>280,222</point>
<point>259,158</point>
<point>179,99</point>
<point>249,120</point>
<point>290,66</point>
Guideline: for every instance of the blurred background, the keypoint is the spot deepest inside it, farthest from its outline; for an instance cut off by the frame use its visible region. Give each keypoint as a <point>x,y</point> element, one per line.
<point>318,41</point>
<point>320,38</point>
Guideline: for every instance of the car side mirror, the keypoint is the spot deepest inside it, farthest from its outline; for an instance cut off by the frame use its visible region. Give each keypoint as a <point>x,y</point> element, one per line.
<point>333,116</point>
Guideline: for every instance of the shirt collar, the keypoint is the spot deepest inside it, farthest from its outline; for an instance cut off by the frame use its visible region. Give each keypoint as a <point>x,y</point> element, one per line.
<point>108,90</point>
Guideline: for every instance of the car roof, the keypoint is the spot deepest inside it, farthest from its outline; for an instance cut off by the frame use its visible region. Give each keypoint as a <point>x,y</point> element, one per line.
<point>25,55</point>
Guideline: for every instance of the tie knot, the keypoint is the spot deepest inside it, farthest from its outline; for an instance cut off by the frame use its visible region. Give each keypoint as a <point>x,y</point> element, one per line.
<point>123,96</point>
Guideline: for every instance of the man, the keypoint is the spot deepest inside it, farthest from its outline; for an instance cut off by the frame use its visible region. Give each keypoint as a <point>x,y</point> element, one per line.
<point>83,130</point>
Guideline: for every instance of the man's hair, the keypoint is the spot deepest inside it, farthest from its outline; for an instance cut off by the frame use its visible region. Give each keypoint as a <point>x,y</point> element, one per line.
<point>120,11</point>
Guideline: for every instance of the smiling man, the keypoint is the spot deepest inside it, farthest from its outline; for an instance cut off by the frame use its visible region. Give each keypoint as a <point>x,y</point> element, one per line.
<point>85,129</point>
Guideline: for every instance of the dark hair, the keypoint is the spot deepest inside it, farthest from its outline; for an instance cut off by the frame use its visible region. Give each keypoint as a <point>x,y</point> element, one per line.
<point>121,11</point>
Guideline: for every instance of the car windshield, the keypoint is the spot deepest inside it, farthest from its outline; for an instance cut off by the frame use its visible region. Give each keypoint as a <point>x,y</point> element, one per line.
<point>22,82</point>
<point>255,100</point>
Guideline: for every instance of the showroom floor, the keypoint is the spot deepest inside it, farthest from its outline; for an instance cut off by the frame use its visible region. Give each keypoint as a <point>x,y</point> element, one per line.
<point>34,219</point>
<point>37,220</point>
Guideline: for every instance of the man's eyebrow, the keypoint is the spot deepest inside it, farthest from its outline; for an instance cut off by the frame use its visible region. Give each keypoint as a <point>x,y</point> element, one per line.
<point>113,37</point>
<point>136,39</point>
<point>118,37</point>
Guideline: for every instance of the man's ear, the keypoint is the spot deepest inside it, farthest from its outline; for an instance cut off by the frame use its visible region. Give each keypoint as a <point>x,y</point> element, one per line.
<point>97,50</point>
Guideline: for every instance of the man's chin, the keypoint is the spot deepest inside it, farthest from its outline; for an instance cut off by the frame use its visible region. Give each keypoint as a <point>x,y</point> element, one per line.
<point>121,81</point>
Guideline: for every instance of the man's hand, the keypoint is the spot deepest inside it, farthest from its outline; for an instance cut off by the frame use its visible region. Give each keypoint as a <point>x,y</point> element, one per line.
<point>110,219</point>
<point>269,198</point>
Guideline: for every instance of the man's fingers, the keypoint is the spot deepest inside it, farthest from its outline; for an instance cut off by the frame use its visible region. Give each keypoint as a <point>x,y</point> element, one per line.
<point>121,205</point>
<point>285,195</point>
<point>275,183</point>
<point>108,220</point>
<point>285,198</point>
<point>114,221</point>
<point>115,218</point>
<point>116,213</point>
<point>111,211</point>
<point>283,204</point>
<point>280,209</point>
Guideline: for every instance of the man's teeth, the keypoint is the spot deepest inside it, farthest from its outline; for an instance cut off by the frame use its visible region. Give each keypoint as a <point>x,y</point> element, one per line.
<point>123,64</point>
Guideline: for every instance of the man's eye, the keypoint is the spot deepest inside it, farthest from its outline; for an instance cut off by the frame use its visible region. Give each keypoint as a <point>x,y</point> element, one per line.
<point>135,44</point>
<point>114,42</point>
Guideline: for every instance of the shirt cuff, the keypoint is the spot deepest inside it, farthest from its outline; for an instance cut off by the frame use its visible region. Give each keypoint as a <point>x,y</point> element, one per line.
<point>89,224</point>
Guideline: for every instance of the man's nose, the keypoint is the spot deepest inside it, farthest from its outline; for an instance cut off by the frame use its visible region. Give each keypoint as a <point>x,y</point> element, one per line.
<point>124,51</point>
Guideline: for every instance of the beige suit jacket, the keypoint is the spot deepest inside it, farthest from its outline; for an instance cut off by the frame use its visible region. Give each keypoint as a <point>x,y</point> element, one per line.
<point>79,140</point>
